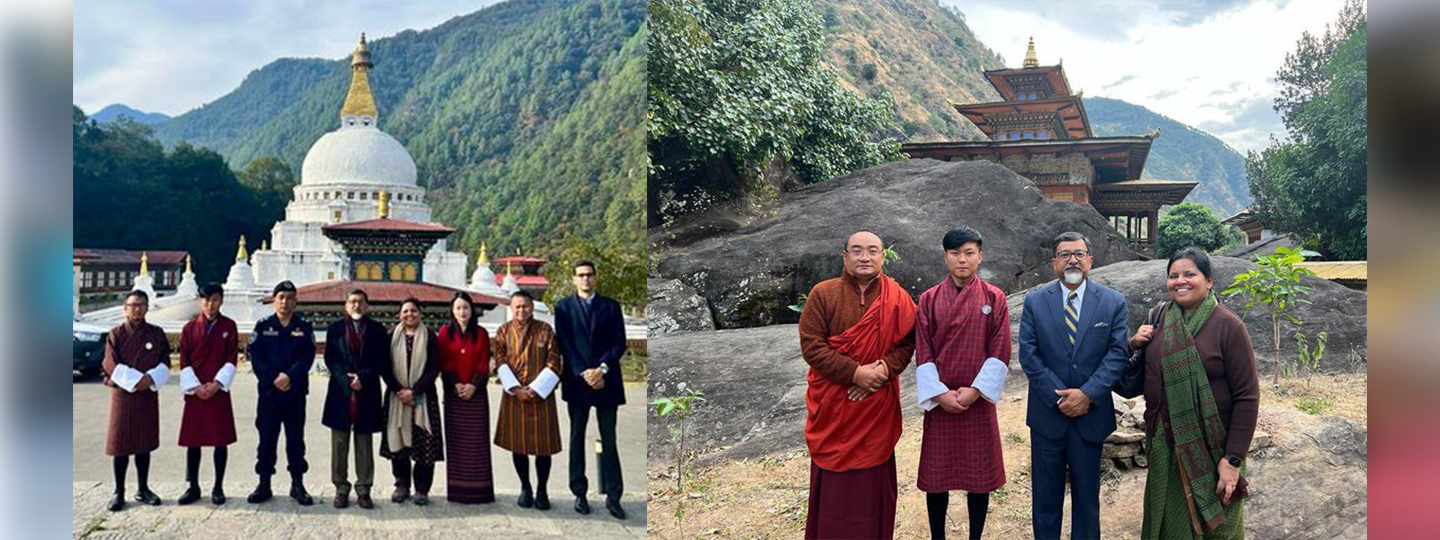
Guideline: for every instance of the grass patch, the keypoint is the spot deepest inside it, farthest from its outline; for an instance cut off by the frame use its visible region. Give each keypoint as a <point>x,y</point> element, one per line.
<point>633,366</point>
<point>1015,437</point>
<point>1313,405</point>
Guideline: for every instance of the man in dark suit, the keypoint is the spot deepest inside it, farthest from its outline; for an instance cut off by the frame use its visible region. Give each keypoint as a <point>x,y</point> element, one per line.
<point>356,349</point>
<point>591,333</point>
<point>1072,346</point>
<point>281,351</point>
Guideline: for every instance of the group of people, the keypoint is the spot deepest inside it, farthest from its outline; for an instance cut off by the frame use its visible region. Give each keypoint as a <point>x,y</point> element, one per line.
<point>380,381</point>
<point>859,331</point>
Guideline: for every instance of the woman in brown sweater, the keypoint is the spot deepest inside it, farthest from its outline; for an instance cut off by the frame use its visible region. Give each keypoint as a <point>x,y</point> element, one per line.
<point>1202,397</point>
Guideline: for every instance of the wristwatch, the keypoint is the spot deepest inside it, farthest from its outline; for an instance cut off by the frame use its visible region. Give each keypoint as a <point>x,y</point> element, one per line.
<point>1234,461</point>
<point>604,369</point>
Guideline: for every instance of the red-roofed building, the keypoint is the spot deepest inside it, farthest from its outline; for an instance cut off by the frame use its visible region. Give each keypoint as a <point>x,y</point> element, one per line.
<point>108,271</point>
<point>529,273</point>
<point>324,303</point>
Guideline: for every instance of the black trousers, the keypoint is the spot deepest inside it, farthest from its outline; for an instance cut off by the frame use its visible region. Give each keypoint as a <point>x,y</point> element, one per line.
<point>610,484</point>
<point>274,414</point>
<point>405,470</point>
<point>192,464</point>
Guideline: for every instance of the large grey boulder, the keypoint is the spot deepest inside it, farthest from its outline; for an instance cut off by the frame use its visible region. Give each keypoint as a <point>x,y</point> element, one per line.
<point>673,306</point>
<point>749,269</point>
<point>1333,308</point>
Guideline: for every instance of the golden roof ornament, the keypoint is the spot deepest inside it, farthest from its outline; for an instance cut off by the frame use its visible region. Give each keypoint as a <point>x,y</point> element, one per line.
<point>384,204</point>
<point>1030,60</point>
<point>240,254</point>
<point>187,263</point>
<point>483,259</point>
<point>359,101</point>
<point>144,262</point>
<point>264,245</point>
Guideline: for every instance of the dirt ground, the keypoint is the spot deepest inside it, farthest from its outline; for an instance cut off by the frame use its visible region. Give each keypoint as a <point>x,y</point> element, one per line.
<point>766,498</point>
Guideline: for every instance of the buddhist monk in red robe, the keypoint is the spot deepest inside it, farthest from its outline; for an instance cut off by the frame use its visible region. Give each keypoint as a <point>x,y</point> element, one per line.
<point>857,335</point>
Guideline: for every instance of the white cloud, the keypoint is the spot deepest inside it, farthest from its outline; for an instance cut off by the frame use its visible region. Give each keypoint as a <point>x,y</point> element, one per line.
<point>171,56</point>
<point>1182,63</point>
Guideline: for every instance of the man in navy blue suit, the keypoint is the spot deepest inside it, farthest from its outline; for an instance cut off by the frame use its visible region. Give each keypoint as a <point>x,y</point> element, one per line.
<point>591,333</point>
<point>1072,346</point>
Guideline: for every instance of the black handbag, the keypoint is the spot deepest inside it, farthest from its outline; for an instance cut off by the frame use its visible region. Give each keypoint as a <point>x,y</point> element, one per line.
<point>1132,380</point>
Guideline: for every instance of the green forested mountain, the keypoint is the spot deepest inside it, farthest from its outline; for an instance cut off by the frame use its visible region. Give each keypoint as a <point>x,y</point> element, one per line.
<point>1180,152</point>
<point>524,119</point>
<point>114,111</point>
<point>926,56</point>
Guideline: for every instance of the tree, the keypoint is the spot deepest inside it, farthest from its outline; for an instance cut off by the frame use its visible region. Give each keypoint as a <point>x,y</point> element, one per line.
<point>1314,183</point>
<point>1192,224</point>
<point>271,180</point>
<point>1275,282</point>
<point>736,85</point>
<point>620,274</point>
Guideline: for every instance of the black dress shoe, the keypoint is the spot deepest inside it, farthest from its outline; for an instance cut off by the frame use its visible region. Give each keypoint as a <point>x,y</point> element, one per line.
<point>261,494</point>
<point>118,503</point>
<point>191,495</point>
<point>542,501</point>
<point>217,495</point>
<point>364,501</point>
<point>582,506</point>
<point>615,509</point>
<point>526,500</point>
<point>148,497</point>
<point>297,492</point>
<point>422,499</point>
<point>342,500</point>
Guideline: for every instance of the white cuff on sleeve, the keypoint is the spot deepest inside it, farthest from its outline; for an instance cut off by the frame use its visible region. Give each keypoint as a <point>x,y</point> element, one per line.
<point>188,381</point>
<point>126,377</point>
<point>544,383</point>
<point>507,379</point>
<point>991,379</point>
<point>928,385</point>
<point>158,375</point>
<point>226,376</point>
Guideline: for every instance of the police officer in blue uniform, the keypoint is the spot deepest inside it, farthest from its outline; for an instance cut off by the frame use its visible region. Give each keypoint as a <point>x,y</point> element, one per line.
<point>281,350</point>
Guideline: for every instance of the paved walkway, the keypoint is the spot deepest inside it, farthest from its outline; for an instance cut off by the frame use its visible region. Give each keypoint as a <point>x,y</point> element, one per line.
<point>281,517</point>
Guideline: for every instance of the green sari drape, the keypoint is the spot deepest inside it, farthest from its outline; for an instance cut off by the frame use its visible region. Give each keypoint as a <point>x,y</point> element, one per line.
<point>1180,498</point>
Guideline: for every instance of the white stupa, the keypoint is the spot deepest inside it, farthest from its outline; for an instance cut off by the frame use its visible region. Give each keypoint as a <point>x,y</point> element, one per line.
<point>482,280</point>
<point>341,180</point>
<point>144,282</point>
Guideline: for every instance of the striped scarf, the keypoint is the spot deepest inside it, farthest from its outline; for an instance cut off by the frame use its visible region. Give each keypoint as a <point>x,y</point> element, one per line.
<point>1194,419</point>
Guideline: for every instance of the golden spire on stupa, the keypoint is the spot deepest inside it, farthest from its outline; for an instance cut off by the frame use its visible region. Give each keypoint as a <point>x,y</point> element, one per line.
<point>144,262</point>
<point>240,254</point>
<point>359,101</point>
<point>1030,60</point>
<point>483,259</point>
<point>187,263</point>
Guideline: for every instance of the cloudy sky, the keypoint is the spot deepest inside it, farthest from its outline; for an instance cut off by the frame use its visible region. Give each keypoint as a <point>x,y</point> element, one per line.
<point>171,56</point>
<point>1210,64</point>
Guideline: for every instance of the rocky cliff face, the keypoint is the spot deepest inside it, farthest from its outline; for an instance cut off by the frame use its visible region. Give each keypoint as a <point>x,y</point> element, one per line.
<point>749,270</point>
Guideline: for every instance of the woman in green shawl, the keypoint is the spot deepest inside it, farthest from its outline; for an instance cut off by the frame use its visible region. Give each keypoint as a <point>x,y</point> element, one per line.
<point>1202,396</point>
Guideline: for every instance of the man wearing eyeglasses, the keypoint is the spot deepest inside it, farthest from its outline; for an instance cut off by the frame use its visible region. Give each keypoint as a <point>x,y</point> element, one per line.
<point>1073,349</point>
<point>591,334</point>
<point>857,333</point>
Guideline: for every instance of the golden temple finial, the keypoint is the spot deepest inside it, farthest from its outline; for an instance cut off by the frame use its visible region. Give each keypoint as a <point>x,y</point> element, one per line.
<point>384,204</point>
<point>483,259</point>
<point>264,245</point>
<point>1030,60</point>
<point>187,263</point>
<point>508,270</point>
<point>359,101</point>
<point>144,262</point>
<point>240,254</point>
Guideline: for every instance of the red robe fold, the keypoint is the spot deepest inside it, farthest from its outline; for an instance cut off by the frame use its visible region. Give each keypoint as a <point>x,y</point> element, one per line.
<point>845,435</point>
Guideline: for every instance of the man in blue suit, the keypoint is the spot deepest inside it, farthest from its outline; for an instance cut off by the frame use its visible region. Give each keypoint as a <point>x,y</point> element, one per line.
<point>591,333</point>
<point>1072,346</point>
